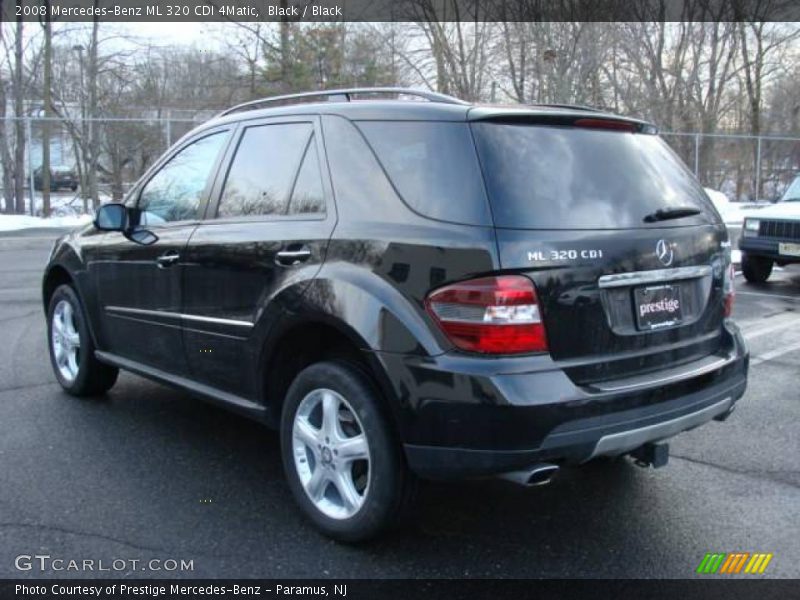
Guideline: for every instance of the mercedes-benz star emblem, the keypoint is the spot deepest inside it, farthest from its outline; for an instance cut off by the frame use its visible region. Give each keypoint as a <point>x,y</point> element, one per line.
<point>664,252</point>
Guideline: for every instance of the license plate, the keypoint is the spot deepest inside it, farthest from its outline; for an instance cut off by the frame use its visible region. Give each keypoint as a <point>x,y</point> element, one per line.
<point>789,249</point>
<point>657,306</point>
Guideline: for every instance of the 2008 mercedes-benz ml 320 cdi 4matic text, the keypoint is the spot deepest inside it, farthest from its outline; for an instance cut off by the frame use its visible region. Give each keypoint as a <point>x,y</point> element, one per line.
<point>412,288</point>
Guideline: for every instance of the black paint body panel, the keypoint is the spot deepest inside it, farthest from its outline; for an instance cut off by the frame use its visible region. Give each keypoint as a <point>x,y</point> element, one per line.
<point>211,322</point>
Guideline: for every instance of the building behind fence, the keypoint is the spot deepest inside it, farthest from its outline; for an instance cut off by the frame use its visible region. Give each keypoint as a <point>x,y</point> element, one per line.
<point>745,168</point>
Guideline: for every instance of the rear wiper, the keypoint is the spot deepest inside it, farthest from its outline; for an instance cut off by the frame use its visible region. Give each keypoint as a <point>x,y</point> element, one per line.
<point>678,212</point>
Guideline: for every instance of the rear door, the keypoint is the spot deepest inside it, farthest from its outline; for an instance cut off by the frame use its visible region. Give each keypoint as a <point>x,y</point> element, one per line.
<point>268,226</point>
<point>626,251</point>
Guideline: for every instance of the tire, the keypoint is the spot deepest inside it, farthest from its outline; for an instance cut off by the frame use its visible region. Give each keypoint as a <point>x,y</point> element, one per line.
<point>79,373</point>
<point>756,269</point>
<point>74,187</point>
<point>382,484</point>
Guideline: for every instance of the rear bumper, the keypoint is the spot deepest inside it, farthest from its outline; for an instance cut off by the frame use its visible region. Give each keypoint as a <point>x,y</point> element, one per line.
<point>767,248</point>
<point>490,418</point>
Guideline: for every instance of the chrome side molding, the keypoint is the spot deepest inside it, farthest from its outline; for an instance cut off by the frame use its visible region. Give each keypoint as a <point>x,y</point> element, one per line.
<point>654,276</point>
<point>123,310</point>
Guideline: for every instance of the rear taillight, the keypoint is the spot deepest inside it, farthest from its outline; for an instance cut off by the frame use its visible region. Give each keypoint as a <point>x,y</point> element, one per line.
<point>492,315</point>
<point>729,291</point>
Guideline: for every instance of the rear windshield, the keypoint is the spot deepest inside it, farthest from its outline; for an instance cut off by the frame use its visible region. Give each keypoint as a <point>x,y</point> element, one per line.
<point>546,177</point>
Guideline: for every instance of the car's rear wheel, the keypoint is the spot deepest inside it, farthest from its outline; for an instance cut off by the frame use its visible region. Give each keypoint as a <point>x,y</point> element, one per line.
<point>756,269</point>
<point>72,349</point>
<point>342,462</point>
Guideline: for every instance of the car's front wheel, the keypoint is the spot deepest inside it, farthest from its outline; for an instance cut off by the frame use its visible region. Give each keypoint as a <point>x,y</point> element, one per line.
<point>342,462</point>
<point>756,269</point>
<point>72,349</point>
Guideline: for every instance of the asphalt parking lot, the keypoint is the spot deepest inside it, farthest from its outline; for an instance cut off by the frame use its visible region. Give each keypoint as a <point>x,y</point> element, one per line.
<point>149,473</point>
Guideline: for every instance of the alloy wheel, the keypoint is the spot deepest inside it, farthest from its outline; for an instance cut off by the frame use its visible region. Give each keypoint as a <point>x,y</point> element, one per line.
<point>65,340</point>
<point>331,454</point>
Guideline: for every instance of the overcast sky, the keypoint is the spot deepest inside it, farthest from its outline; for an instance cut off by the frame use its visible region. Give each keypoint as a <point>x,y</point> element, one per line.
<point>170,33</point>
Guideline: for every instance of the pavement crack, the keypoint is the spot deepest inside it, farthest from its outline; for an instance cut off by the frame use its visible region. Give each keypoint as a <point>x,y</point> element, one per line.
<point>27,386</point>
<point>18,317</point>
<point>109,538</point>
<point>768,475</point>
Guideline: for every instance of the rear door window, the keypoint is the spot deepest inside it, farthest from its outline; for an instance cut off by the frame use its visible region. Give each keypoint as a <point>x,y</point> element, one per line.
<point>264,173</point>
<point>547,177</point>
<point>433,166</point>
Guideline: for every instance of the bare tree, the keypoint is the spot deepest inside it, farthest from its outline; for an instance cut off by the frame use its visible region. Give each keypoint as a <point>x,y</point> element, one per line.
<point>456,48</point>
<point>19,125</point>
<point>5,138</point>
<point>48,108</point>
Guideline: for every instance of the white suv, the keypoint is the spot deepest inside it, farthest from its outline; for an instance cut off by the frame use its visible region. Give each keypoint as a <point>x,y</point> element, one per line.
<point>773,237</point>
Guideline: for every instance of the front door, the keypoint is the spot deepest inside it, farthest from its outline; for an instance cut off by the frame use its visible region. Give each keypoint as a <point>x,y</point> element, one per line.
<point>139,285</point>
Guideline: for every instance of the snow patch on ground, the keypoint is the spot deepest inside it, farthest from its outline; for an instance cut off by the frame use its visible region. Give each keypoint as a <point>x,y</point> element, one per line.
<point>17,222</point>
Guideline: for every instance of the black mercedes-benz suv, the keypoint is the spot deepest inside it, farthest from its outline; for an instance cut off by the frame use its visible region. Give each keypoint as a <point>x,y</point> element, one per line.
<point>407,285</point>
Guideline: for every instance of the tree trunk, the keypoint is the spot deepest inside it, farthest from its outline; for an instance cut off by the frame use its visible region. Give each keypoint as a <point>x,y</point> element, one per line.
<point>5,154</point>
<point>93,143</point>
<point>19,125</point>
<point>48,110</point>
<point>284,25</point>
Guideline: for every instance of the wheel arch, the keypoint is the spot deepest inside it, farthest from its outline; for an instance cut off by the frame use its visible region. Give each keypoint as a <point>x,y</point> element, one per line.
<point>304,339</point>
<point>58,274</point>
<point>55,276</point>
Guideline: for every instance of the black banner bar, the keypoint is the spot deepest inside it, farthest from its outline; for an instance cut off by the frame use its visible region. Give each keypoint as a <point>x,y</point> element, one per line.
<point>132,11</point>
<point>224,589</point>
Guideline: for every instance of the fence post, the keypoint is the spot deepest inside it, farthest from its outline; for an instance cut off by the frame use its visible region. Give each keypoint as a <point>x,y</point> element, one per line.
<point>29,135</point>
<point>758,169</point>
<point>697,155</point>
<point>168,128</point>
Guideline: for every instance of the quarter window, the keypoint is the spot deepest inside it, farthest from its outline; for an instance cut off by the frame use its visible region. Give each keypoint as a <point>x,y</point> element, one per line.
<point>275,172</point>
<point>175,192</point>
<point>307,196</point>
<point>434,167</point>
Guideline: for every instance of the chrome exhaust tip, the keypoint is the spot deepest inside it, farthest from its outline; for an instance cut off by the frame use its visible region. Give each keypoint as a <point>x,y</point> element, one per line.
<point>540,474</point>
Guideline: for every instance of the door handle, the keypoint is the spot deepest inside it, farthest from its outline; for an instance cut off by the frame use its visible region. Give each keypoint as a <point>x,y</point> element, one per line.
<point>289,258</point>
<point>167,259</point>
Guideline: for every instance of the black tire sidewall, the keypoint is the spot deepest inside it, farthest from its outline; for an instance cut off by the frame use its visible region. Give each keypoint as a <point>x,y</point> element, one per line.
<point>65,292</point>
<point>387,469</point>
<point>756,269</point>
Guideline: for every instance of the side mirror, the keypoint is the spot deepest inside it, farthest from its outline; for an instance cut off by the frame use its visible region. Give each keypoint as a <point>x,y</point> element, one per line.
<point>111,217</point>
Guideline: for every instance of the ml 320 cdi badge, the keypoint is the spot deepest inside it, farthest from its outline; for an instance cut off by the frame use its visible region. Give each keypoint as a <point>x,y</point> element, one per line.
<point>412,289</point>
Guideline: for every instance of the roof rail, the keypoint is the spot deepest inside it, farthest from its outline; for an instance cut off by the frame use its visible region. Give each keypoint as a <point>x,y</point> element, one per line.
<point>345,95</point>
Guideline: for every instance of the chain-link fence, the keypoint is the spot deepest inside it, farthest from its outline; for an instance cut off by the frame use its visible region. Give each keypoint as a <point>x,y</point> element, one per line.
<point>744,167</point>
<point>95,160</point>
<point>92,160</point>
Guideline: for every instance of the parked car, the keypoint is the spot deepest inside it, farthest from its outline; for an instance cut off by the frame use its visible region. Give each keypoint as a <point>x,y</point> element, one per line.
<point>733,215</point>
<point>412,289</point>
<point>772,236</point>
<point>60,177</point>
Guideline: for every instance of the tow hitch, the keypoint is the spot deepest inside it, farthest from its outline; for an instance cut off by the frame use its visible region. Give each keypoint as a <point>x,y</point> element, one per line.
<point>652,454</point>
